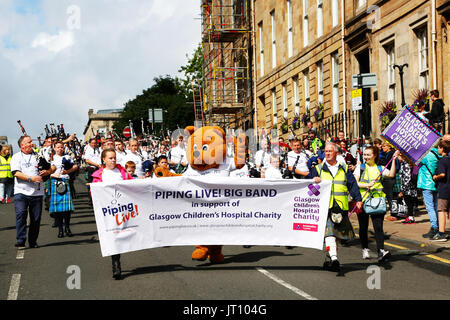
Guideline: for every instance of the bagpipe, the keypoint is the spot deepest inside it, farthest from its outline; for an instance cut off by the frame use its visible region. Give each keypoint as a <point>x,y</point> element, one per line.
<point>43,164</point>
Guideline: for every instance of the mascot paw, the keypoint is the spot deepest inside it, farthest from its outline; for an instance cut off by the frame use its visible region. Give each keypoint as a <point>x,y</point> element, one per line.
<point>200,254</point>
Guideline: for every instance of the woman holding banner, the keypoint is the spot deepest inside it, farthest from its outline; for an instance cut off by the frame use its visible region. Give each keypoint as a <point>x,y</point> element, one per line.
<point>111,172</point>
<point>369,176</point>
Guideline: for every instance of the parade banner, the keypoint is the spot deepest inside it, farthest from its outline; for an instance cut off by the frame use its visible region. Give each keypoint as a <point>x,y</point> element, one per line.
<point>410,134</point>
<point>148,213</point>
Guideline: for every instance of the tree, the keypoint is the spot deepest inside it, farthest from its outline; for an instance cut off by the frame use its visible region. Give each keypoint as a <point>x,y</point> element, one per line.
<point>193,69</point>
<point>167,94</point>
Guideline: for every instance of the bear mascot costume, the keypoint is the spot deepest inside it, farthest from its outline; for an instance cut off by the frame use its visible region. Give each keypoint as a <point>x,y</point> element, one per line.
<point>206,153</point>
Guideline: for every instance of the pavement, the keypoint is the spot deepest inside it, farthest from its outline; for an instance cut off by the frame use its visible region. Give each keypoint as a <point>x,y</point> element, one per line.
<point>411,233</point>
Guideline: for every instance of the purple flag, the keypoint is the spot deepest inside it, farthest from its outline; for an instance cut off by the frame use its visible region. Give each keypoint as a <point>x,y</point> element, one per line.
<point>410,134</point>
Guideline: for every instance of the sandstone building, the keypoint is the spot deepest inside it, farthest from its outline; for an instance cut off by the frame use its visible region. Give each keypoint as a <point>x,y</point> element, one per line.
<point>302,55</point>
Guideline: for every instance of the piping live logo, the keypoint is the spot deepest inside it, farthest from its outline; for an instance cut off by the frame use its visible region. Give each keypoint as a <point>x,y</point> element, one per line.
<point>121,212</point>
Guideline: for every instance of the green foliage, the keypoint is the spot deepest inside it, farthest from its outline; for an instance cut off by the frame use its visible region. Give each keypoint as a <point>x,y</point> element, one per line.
<point>173,95</point>
<point>168,94</point>
<point>193,69</point>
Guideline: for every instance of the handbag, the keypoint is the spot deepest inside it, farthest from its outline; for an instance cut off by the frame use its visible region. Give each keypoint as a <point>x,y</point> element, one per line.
<point>374,206</point>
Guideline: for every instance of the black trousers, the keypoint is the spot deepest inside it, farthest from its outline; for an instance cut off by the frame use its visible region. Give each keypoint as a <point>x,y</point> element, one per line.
<point>410,204</point>
<point>62,217</point>
<point>388,189</point>
<point>377,222</point>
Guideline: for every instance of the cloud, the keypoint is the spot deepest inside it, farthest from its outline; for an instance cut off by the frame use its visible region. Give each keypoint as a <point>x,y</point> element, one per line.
<point>53,74</point>
<point>54,43</point>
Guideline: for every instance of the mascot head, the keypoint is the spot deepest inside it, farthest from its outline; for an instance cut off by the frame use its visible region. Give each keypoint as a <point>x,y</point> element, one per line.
<point>206,147</point>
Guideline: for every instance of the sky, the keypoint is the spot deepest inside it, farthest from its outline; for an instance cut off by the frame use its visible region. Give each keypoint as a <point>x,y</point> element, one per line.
<point>60,58</point>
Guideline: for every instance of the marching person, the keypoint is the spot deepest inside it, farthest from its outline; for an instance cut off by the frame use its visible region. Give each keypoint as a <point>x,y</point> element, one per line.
<point>92,158</point>
<point>28,192</point>
<point>177,156</point>
<point>298,161</point>
<point>262,156</point>
<point>111,172</point>
<point>61,202</point>
<point>6,176</point>
<point>343,184</point>
<point>135,155</point>
<point>120,152</point>
<point>367,177</point>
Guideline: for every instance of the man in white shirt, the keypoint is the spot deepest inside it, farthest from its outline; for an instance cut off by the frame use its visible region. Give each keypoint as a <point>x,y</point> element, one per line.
<point>92,157</point>
<point>28,192</point>
<point>178,156</point>
<point>298,161</point>
<point>262,156</point>
<point>136,156</point>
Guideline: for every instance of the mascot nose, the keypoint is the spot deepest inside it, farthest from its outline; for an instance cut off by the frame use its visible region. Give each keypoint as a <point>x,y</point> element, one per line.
<point>196,154</point>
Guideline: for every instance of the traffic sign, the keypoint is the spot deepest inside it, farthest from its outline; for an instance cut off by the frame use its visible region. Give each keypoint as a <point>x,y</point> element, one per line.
<point>158,113</point>
<point>364,80</point>
<point>357,99</point>
<point>127,132</point>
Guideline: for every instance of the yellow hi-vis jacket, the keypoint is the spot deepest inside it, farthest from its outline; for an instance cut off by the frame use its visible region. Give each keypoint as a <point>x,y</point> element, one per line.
<point>339,189</point>
<point>5,167</point>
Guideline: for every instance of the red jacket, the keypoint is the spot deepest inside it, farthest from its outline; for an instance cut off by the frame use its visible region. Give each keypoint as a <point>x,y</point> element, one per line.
<point>97,175</point>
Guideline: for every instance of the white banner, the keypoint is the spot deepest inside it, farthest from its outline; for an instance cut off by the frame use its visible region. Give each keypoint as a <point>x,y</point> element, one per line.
<point>177,211</point>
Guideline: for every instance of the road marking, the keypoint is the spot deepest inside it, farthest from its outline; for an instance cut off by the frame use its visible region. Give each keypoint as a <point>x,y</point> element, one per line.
<point>395,246</point>
<point>285,284</point>
<point>431,256</point>
<point>14,287</point>
<point>438,258</point>
<point>20,254</point>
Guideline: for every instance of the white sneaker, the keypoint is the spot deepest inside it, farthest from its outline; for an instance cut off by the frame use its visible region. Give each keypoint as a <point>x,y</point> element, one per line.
<point>383,255</point>
<point>365,253</point>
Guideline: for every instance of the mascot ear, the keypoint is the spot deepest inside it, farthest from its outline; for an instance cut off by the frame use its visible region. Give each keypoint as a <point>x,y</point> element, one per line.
<point>189,130</point>
<point>219,131</point>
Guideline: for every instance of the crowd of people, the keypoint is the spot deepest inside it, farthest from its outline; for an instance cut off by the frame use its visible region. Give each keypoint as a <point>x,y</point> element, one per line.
<point>361,173</point>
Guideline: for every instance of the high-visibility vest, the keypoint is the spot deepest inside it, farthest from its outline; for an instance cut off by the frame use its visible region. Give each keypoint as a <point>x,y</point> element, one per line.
<point>368,174</point>
<point>339,190</point>
<point>5,167</point>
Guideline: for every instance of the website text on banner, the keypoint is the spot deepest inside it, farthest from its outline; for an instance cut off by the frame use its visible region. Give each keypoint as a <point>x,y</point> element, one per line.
<point>411,135</point>
<point>141,214</point>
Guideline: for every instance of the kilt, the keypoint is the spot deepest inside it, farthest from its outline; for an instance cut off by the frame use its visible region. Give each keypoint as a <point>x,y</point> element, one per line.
<point>60,203</point>
<point>343,230</point>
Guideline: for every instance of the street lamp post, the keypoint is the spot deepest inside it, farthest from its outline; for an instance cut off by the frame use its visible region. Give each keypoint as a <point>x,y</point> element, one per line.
<point>400,71</point>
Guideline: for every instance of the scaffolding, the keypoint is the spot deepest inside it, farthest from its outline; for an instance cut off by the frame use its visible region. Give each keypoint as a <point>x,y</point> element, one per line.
<point>225,46</point>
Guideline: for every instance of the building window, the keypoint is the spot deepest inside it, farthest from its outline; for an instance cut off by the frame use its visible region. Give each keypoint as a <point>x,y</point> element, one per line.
<point>422,46</point>
<point>290,30</point>
<point>285,101</point>
<point>361,3</point>
<point>274,107</point>
<point>305,23</point>
<point>274,39</point>
<point>390,62</point>
<point>320,82</point>
<point>261,49</point>
<point>296,96</point>
<point>319,18</point>
<point>306,87</point>
<point>334,12</point>
<point>335,81</point>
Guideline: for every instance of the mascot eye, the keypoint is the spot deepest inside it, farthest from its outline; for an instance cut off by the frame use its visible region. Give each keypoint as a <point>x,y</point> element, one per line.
<point>195,146</point>
<point>205,147</point>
